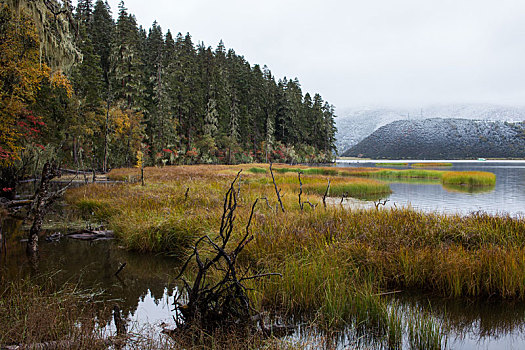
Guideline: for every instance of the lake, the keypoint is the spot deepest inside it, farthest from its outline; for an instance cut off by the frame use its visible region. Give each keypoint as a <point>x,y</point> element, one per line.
<point>507,197</point>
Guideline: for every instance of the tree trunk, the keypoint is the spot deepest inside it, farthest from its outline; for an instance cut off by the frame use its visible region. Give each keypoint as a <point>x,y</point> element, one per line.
<point>106,126</point>
<point>39,206</point>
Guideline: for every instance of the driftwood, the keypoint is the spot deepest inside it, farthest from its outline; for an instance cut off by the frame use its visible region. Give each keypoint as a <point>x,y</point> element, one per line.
<point>222,303</point>
<point>277,191</point>
<point>90,235</point>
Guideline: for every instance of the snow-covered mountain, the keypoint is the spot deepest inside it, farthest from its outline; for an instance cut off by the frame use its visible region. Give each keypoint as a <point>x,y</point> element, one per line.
<point>443,139</point>
<point>355,124</point>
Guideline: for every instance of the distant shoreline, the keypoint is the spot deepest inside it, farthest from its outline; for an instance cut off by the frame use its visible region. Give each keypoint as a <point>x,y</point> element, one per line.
<point>353,160</point>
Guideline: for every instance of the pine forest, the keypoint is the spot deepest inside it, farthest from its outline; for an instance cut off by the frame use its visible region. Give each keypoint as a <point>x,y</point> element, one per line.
<point>134,96</point>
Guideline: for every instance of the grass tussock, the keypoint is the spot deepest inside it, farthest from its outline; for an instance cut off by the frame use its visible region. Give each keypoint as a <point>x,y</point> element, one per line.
<point>357,188</point>
<point>470,178</point>
<point>431,165</point>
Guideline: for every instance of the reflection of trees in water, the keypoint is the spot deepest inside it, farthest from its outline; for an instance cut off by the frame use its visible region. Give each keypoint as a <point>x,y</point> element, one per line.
<point>92,265</point>
<point>481,319</point>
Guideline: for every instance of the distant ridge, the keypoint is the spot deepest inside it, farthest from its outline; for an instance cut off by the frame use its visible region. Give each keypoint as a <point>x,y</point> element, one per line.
<point>438,138</point>
<point>357,123</point>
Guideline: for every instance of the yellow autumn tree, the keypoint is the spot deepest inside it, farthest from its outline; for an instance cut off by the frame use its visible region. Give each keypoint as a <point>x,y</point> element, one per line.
<point>21,74</point>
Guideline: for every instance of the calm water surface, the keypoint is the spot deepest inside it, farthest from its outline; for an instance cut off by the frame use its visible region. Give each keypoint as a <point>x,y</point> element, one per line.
<point>507,197</point>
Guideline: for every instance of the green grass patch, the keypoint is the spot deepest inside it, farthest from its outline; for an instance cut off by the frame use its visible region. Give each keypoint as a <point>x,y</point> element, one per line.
<point>431,165</point>
<point>358,189</point>
<point>255,170</point>
<point>470,178</point>
<point>406,173</point>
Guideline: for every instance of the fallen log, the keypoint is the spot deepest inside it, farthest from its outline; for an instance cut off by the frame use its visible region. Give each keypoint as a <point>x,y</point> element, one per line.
<point>90,235</point>
<point>15,203</point>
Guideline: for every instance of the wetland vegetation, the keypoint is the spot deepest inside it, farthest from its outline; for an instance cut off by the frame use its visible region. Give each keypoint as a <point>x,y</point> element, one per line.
<point>338,266</point>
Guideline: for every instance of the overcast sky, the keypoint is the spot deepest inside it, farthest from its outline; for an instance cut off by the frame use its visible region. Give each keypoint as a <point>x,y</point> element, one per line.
<point>398,53</point>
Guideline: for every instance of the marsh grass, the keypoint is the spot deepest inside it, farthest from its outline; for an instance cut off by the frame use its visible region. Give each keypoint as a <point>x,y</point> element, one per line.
<point>36,312</point>
<point>425,332</point>
<point>357,188</point>
<point>404,173</point>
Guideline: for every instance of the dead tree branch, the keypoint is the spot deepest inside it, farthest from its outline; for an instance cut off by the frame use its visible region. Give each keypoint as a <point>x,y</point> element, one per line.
<point>326,193</point>
<point>378,203</point>
<point>267,202</point>
<point>43,198</point>
<point>218,302</point>
<point>277,191</point>
<point>300,190</point>
<point>343,196</point>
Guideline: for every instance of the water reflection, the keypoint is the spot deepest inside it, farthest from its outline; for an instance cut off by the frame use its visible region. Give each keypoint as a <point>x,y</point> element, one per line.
<point>141,290</point>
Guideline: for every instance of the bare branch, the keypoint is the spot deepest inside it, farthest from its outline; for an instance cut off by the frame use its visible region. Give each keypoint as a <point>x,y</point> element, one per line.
<point>326,193</point>
<point>378,203</point>
<point>300,190</point>
<point>277,191</point>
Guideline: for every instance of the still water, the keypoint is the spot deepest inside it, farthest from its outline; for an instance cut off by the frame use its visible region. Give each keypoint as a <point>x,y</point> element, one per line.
<point>507,197</point>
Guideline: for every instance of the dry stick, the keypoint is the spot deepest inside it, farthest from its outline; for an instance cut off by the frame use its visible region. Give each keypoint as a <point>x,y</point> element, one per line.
<point>277,191</point>
<point>239,190</point>
<point>267,202</point>
<point>120,268</point>
<point>378,203</point>
<point>343,196</point>
<point>326,193</point>
<point>186,194</point>
<point>312,205</point>
<point>300,190</point>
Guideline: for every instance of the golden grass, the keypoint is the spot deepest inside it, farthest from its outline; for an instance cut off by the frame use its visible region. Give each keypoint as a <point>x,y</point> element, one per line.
<point>470,178</point>
<point>32,313</point>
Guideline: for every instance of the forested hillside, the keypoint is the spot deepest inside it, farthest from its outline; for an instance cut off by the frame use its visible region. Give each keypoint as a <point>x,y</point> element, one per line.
<point>125,94</point>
